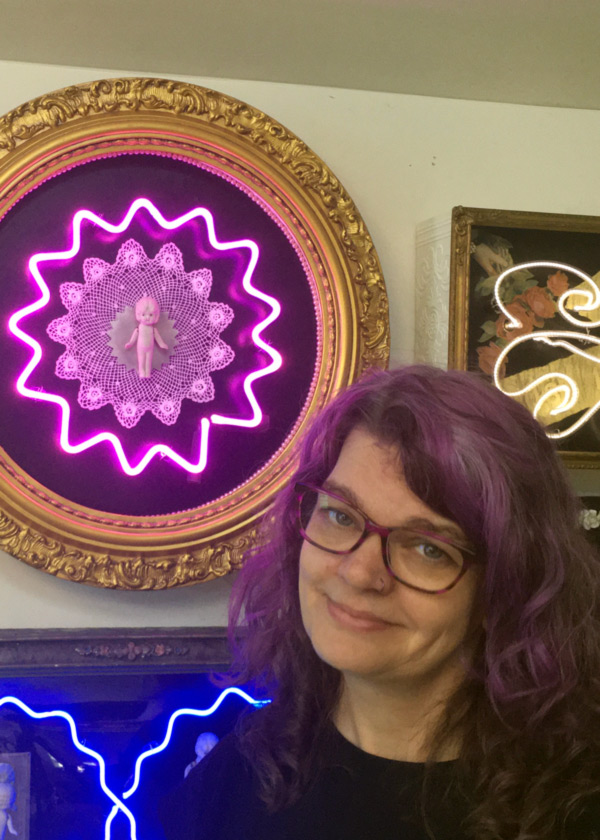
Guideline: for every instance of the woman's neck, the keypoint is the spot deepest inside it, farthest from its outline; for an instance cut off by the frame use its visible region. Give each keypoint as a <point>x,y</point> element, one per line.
<point>385,721</point>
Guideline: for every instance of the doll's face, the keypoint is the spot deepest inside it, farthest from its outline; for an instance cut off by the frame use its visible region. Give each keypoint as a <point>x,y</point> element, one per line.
<point>147,311</point>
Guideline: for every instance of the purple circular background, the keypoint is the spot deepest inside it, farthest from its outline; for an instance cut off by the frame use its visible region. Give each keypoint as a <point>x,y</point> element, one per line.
<point>30,429</point>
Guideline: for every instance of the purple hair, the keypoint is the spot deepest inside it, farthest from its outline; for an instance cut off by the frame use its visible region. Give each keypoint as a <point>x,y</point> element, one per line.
<point>529,708</point>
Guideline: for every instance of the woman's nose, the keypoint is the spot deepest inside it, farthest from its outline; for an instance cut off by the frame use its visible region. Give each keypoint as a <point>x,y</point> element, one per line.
<point>364,568</point>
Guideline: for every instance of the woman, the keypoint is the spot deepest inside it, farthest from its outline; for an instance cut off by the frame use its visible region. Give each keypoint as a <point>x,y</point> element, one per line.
<point>424,613</point>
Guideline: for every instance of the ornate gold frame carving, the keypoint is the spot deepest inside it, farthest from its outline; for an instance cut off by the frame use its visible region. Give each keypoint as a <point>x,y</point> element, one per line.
<point>110,116</point>
<point>463,220</point>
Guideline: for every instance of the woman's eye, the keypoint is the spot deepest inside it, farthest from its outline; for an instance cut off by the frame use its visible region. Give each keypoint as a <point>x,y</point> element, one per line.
<point>432,552</point>
<point>337,517</point>
<point>340,517</point>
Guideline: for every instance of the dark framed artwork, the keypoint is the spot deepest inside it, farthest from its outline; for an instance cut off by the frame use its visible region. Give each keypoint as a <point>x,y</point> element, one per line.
<point>83,708</point>
<point>525,311</point>
<point>590,519</point>
<point>185,284</point>
<point>15,779</point>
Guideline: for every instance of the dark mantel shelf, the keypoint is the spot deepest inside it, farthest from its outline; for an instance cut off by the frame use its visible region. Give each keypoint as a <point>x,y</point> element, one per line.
<point>105,650</point>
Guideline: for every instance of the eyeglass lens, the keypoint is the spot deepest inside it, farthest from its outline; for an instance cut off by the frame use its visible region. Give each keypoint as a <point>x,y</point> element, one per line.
<point>417,559</point>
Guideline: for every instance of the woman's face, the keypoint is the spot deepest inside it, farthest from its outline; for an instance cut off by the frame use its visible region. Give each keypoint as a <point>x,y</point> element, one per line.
<point>359,619</point>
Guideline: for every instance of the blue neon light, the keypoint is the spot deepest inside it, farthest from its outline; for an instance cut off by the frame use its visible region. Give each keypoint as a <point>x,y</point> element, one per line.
<point>179,713</point>
<point>118,805</point>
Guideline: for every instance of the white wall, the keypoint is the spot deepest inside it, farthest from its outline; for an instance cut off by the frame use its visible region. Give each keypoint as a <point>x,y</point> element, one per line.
<point>403,159</point>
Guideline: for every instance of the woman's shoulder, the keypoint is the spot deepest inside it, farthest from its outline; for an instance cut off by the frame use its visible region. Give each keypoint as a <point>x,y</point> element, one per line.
<point>225,757</point>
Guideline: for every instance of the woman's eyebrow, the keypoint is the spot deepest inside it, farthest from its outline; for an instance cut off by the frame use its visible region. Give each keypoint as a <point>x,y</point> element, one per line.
<point>341,490</point>
<point>445,529</point>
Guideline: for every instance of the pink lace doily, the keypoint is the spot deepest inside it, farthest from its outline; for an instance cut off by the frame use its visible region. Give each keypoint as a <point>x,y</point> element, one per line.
<point>100,319</point>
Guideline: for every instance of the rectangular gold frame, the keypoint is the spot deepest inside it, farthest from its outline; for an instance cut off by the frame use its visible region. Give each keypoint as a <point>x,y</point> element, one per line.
<point>463,221</point>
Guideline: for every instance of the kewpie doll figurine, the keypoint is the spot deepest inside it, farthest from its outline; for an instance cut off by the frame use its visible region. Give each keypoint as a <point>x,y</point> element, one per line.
<point>147,312</point>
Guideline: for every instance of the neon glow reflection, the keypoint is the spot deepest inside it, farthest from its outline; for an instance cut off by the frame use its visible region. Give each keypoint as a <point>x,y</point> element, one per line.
<point>255,416</point>
<point>118,804</point>
<point>567,391</point>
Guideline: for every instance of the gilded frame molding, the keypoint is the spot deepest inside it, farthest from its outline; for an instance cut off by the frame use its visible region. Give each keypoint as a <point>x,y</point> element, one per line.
<point>112,116</point>
<point>464,219</point>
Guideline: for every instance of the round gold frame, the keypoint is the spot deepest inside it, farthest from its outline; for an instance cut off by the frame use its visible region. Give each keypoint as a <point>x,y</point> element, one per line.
<point>111,116</point>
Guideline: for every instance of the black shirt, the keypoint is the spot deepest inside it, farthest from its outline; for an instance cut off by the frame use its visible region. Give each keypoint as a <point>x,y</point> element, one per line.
<point>356,796</point>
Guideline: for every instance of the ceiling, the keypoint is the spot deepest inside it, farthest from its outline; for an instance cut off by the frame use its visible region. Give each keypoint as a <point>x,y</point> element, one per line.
<point>543,52</point>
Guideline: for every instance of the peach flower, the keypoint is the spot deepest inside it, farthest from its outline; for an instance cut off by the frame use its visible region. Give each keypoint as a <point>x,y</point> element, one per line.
<point>539,302</point>
<point>488,356</point>
<point>558,283</point>
<point>518,311</point>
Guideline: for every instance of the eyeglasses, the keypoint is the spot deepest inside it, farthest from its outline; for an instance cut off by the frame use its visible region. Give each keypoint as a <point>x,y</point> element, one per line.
<point>424,561</point>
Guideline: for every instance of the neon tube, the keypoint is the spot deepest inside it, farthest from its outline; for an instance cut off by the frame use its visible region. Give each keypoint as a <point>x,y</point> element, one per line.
<point>118,805</point>
<point>568,390</point>
<point>161,449</point>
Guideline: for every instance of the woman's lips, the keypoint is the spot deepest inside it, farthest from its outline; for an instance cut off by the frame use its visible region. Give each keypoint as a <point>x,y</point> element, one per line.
<point>355,620</point>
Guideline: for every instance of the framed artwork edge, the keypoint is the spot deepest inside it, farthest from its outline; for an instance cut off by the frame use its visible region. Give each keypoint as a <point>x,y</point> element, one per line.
<point>463,220</point>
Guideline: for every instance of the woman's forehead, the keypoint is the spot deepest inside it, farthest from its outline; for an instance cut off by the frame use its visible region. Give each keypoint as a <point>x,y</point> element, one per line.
<point>369,474</point>
<point>362,448</point>
<point>368,470</point>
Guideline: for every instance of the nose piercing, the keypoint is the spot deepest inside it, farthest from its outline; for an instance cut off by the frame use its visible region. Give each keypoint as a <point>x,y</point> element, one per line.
<point>380,585</point>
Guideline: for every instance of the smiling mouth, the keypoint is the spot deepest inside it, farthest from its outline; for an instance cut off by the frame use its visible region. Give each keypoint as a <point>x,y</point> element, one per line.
<point>355,620</point>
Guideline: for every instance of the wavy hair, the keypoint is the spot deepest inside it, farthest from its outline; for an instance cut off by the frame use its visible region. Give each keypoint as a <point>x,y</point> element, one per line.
<point>528,709</point>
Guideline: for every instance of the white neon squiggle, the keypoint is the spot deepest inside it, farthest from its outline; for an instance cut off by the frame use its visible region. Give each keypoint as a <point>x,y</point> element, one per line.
<point>109,437</point>
<point>118,805</point>
<point>569,389</point>
<point>592,298</point>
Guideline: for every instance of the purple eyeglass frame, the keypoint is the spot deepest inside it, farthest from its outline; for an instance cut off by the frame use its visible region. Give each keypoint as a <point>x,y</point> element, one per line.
<point>373,528</point>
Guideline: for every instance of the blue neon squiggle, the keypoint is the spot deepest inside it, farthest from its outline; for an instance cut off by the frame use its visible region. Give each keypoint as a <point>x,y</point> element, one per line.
<point>179,713</point>
<point>118,805</point>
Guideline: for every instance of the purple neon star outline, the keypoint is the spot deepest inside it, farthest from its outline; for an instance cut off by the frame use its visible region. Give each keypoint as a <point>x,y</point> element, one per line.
<point>219,419</point>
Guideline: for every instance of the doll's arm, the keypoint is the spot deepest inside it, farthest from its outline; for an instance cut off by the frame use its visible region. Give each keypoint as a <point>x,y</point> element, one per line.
<point>133,339</point>
<point>159,340</point>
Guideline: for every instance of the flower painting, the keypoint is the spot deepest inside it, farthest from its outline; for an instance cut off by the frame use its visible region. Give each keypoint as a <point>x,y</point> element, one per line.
<point>530,298</point>
<point>530,287</point>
